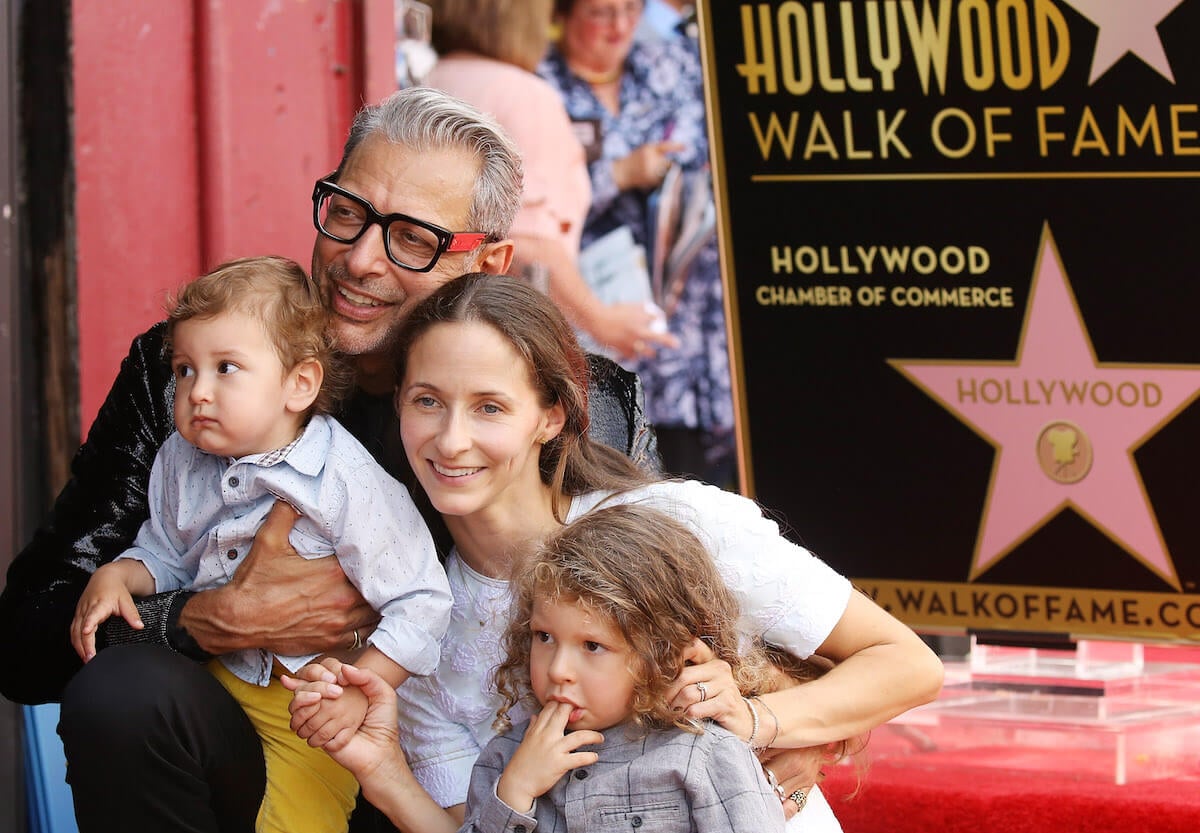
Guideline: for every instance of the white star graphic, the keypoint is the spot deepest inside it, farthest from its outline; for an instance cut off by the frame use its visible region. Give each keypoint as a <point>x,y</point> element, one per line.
<point>1127,26</point>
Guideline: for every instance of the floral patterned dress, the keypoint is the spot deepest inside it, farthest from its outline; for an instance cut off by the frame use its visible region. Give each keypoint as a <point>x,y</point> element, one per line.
<point>661,98</point>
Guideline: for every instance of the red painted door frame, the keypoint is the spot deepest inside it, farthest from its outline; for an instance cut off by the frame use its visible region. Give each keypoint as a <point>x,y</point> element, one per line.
<point>199,128</point>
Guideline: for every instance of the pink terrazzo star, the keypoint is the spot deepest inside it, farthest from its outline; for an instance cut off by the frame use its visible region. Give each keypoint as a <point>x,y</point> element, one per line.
<point>1064,426</point>
<point>1127,27</point>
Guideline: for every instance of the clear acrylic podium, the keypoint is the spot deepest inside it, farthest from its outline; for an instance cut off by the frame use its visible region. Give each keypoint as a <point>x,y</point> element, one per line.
<point>1099,712</point>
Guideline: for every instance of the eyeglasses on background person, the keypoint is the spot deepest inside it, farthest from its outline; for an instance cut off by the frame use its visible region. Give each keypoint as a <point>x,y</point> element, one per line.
<point>607,14</point>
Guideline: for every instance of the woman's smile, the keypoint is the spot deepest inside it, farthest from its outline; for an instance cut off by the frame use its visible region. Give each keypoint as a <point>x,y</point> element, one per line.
<point>454,471</point>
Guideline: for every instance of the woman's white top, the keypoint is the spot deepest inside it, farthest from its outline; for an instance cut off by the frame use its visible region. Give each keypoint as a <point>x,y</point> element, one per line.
<point>788,597</point>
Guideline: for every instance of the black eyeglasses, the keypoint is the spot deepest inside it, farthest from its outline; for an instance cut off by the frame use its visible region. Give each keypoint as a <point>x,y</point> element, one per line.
<point>411,243</point>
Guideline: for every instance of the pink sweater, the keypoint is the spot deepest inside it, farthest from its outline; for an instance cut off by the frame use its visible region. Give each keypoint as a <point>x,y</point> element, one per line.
<point>557,188</point>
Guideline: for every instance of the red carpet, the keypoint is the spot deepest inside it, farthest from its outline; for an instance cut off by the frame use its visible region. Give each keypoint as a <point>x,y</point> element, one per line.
<point>898,797</point>
<point>947,791</point>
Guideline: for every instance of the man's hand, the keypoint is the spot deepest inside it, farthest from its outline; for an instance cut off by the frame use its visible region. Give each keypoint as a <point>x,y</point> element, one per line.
<point>279,601</point>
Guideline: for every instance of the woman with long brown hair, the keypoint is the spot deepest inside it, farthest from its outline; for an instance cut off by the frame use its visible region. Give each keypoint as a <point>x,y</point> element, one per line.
<point>493,415</point>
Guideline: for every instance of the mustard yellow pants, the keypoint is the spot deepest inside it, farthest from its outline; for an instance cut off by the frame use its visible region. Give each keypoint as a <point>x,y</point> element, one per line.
<point>306,791</point>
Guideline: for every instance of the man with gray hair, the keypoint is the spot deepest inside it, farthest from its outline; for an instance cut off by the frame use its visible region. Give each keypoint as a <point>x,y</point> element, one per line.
<point>425,191</point>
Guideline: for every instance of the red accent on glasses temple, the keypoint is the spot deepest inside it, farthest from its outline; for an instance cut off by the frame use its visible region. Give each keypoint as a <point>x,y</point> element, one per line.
<point>465,241</point>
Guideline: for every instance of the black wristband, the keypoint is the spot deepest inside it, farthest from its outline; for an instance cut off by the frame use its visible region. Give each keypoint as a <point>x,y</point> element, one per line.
<point>176,634</point>
<point>153,612</point>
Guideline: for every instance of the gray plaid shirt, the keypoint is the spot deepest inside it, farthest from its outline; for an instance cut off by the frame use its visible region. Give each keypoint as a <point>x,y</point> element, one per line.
<point>668,782</point>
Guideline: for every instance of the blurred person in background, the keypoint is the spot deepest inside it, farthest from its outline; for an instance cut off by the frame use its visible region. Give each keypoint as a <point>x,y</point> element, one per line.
<point>664,19</point>
<point>644,104</point>
<point>488,52</point>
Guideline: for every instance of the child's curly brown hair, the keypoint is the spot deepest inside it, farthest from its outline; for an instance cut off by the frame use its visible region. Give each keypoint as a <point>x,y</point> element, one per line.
<point>652,578</point>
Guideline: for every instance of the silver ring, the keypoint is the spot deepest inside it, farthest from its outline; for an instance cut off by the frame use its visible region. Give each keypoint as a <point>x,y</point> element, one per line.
<point>800,797</point>
<point>703,689</point>
<point>357,643</point>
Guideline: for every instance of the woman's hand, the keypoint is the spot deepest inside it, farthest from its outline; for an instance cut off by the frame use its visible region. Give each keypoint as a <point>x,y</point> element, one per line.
<point>633,330</point>
<point>335,719</point>
<point>706,689</point>
<point>646,166</point>
<point>311,685</point>
<point>374,745</point>
<point>790,770</point>
<point>372,753</point>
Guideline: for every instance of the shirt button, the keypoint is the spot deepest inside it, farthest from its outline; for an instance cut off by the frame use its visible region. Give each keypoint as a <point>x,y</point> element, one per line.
<point>636,821</point>
<point>232,555</point>
<point>580,774</point>
<point>233,482</point>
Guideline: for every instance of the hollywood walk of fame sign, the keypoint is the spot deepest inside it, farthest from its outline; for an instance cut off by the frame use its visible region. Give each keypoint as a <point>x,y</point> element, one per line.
<point>961,269</point>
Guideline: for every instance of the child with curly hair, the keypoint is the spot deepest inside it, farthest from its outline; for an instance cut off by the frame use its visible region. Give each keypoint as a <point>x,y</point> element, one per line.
<point>604,613</point>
